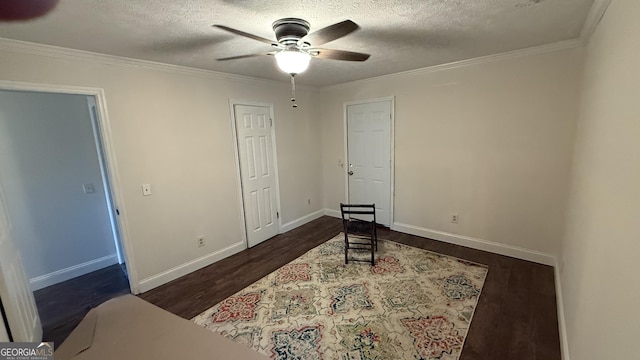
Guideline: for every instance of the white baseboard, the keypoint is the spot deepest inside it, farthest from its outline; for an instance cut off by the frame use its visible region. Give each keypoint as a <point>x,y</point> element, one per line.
<point>301,221</point>
<point>478,244</point>
<point>189,267</point>
<point>65,274</point>
<point>474,243</point>
<point>333,213</point>
<point>562,325</point>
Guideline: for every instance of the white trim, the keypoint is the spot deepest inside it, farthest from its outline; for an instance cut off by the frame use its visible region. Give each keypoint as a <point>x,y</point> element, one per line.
<point>236,154</point>
<point>109,153</point>
<point>597,11</point>
<point>478,244</point>
<point>234,130</point>
<point>535,50</point>
<point>73,54</point>
<point>65,274</point>
<point>116,188</point>
<point>104,172</point>
<point>333,213</point>
<point>275,164</point>
<point>51,88</point>
<point>301,221</point>
<point>175,272</point>
<point>392,101</point>
<point>468,241</point>
<point>562,325</point>
<point>345,146</point>
<point>392,175</point>
<point>26,47</point>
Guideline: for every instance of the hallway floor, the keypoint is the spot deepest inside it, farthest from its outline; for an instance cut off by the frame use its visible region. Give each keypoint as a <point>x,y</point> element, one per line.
<point>61,306</point>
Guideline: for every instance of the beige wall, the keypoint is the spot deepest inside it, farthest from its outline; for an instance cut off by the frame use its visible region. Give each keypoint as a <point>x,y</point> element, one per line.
<point>600,253</point>
<point>172,129</point>
<point>491,142</point>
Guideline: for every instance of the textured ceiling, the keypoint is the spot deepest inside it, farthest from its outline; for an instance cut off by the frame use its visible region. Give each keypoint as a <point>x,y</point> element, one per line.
<point>399,35</point>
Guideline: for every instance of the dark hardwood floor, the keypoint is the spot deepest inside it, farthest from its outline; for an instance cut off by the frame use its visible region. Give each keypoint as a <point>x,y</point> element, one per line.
<point>515,318</point>
<point>193,293</point>
<point>63,305</point>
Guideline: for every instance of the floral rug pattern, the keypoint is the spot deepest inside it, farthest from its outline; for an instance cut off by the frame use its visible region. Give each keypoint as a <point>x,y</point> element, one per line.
<point>413,304</point>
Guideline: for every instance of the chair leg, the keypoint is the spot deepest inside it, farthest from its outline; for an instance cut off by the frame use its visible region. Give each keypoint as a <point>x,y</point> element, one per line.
<point>346,248</point>
<point>372,252</point>
<point>375,236</point>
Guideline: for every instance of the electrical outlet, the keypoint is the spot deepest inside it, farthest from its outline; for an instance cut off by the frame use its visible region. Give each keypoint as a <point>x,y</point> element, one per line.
<point>200,241</point>
<point>454,218</point>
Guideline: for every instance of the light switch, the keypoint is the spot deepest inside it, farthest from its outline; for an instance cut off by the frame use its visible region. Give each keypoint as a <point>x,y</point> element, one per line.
<point>146,189</point>
<point>88,188</point>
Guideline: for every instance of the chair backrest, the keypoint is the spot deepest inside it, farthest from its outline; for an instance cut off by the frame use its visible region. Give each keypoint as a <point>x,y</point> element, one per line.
<point>357,209</point>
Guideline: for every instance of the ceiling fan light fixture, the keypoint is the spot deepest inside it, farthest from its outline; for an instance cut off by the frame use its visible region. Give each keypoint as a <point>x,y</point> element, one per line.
<point>292,61</point>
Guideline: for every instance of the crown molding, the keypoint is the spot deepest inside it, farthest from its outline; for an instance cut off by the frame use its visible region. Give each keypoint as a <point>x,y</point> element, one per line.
<point>597,11</point>
<point>535,50</point>
<point>31,48</point>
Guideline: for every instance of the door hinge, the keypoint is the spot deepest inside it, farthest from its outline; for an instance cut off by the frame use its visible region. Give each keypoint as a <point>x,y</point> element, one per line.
<point>277,214</point>
<point>117,211</point>
<point>271,122</point>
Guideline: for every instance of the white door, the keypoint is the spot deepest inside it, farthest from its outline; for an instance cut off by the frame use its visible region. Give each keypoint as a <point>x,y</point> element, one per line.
<point>15,292</point>
<point>104,172</point>
<point>257,172</point>
<point>369,156</point>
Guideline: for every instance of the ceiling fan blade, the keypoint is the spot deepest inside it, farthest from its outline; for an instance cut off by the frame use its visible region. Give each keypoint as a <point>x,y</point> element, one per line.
<point>246,56</point>
<point>247,35</point>
<point>340,55</point>
<point>330,33</point>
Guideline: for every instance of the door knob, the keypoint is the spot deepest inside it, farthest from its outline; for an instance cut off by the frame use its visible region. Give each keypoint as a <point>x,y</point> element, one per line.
<point>350,173</point>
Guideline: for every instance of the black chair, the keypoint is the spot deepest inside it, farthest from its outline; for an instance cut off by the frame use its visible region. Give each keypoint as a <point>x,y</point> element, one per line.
<point>359,222</point>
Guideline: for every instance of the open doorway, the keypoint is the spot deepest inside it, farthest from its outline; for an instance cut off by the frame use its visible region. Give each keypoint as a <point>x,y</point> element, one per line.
<point>58,197</point>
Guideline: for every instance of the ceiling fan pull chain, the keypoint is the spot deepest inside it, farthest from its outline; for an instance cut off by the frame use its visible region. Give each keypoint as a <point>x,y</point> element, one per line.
<point>293,91</point>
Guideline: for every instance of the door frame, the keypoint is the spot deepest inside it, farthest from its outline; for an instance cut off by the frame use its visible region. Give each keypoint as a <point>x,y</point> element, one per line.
<point>236,152</point>
<point>110,164</point>
<point>345,129</point>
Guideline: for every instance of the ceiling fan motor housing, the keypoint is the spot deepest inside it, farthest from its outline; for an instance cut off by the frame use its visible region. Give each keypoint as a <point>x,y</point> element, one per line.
<point>290,30</point>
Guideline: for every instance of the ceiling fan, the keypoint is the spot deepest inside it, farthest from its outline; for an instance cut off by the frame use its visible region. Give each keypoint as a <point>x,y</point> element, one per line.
<point>295,46</point>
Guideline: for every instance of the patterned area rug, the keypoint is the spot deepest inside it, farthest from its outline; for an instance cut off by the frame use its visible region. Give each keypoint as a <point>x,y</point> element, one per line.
<point>413,304</point>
